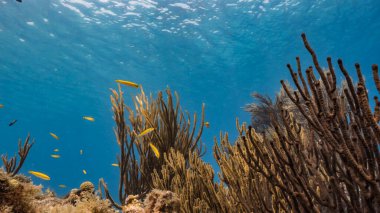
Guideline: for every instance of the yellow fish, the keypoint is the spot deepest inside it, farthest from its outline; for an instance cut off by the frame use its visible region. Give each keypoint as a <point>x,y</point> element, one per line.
<point>54,135</point>
<point>115,164</point>
<point>56,150</point>
<point>81,152</point>
<point>1,106</point>
<point>55,156</point>
<point>62,186</point>
<point>89,118</point>
<point>84,171</point>
<point>155,150</point>
<point>40,175</point>
<point>146,132</point>
<point>128,83</point>
<point>207,124</point>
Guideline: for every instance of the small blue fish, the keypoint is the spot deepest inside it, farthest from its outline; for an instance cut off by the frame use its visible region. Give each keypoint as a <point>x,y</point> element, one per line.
<point>12,123</point>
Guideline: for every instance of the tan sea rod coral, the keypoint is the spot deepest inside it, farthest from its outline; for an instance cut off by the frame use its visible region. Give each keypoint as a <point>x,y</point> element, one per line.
<point>330,164</point>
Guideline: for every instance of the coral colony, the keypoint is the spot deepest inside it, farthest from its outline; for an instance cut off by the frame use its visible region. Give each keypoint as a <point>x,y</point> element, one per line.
<point>314,149</point>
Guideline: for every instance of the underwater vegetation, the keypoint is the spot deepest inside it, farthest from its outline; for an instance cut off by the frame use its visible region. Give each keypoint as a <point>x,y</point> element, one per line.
<point>156,126</point>
<point>331,164</point>
<point>313,149</point>
<point>11,166</point>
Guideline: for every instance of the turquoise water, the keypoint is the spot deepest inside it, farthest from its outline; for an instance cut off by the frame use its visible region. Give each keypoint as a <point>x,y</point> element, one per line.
<point>59,58</point>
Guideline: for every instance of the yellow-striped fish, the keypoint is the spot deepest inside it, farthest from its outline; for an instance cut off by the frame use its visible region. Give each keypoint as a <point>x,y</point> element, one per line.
<point>115,164</point>
<point>89,118</point>
<point>81,152</point>
<point>128,83</point>
<point>56,150</point>
<point>55,156</point>
<point>1,105</point>
<point>155,150</point>
<point>146,132</point>
<point>40,175</point>
<point>54,135</point>
<point>62,186</point>
<point>207,124</point>
<point>84,171</point>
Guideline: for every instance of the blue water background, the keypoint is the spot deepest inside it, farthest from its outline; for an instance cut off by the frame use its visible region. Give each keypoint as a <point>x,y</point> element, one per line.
<point>59,58</point>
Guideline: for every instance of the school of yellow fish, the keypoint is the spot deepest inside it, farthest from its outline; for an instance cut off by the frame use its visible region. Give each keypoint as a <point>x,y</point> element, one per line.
<point>92,119</point>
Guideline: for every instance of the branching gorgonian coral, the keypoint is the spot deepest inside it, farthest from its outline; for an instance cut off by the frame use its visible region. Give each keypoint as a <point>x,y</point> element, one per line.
<point>331,164</point>
<point>11,165</point>
<point>173,129</point>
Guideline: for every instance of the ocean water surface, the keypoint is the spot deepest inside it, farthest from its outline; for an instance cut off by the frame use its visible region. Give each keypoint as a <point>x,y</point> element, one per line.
<point>58,59</point>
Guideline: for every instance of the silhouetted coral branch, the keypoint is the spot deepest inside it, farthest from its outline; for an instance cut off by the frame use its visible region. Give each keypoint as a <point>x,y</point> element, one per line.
<point>11,165</point>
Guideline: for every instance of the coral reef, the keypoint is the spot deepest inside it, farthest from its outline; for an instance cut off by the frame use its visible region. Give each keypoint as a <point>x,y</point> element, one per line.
<point>315,149</point>
<point>162,201</point>
<point>19,195</point>
<point>133,205</point>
